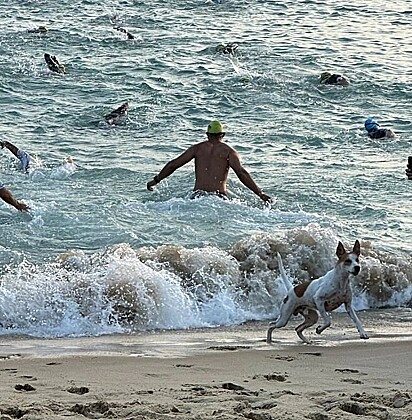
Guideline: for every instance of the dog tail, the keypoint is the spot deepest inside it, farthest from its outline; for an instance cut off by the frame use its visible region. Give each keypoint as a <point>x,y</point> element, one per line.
<point>287,283</point>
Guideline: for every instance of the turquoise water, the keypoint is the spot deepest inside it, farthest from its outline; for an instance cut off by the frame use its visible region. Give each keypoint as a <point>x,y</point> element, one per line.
<point>99,253</point>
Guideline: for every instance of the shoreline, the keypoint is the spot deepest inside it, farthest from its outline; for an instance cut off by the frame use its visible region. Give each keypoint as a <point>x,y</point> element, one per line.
<point>382,326</point>
<point>225,373</point>
<point>297,382</point>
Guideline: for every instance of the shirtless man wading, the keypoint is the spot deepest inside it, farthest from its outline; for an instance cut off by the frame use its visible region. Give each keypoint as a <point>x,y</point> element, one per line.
<point>213,158</point>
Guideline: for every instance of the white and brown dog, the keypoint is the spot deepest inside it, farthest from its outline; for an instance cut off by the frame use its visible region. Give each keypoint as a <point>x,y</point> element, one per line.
<point>322,295</point>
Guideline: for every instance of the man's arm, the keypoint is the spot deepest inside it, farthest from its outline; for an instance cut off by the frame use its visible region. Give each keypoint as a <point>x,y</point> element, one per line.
<point>171,166</point>
<point>7,196</point>
<point>245,177</point>
<point>13,149</point>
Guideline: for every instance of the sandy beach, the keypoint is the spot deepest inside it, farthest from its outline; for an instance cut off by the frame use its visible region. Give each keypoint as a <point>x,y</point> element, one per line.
<point>221,374</point>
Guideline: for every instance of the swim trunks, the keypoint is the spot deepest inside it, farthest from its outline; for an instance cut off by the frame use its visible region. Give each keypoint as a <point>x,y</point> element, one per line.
<point>201,193</point>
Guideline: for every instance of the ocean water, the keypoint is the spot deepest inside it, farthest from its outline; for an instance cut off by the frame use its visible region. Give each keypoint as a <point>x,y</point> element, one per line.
<point>99,254</point>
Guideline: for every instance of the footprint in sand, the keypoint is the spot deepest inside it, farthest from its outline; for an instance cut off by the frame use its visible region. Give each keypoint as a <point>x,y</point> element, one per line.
<point>310,353</point>
<point>283,358</point>
<point>279,377</point>
<point>10,356</point>
<point>352,381</point>
<point>78,390</point>
<point>347,370</point>
<point>25,387</point>
<point>229,348</point>
<point>28,377</point>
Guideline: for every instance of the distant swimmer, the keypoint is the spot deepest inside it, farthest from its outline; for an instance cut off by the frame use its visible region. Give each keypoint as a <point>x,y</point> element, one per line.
<point>374,132</point>
<point>8,197</point>
<point>327,78</point>
<point>408,170</point>
<point>114,117</point>
<point>125,31</point>
<point>53,64</point>
<point>23,156</point>
<point>38,30</point>
<point>227,48</point>
<point>213,159</point>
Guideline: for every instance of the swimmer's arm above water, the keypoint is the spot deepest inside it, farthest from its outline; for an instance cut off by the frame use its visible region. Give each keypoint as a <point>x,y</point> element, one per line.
<point>171,166</point>
<point>13,149</point>
<point>245,177</point>
<point>7,196</point>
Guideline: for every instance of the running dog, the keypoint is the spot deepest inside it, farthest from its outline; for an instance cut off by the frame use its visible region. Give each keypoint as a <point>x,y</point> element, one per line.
<point>322,295</point>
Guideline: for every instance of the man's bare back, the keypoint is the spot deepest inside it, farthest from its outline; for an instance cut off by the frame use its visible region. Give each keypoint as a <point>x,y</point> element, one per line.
<point>213,158</point>
<point>212,166</point>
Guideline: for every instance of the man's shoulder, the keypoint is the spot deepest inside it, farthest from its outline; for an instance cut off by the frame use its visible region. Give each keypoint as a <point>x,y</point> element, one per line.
<point>219,145</point>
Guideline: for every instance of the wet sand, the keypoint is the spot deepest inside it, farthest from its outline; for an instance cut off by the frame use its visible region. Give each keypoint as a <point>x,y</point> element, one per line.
<point>225,373</point>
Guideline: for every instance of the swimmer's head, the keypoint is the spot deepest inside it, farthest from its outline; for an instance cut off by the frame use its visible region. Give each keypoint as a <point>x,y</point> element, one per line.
<point>42,29</point>
<point>215,127</point>
<point>371,124</point>
<point>325,75</point>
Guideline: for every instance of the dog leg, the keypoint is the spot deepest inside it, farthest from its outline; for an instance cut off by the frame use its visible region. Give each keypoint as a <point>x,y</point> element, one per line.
<point>327,320</point>
<point>279,323</point>
<point>356,320</point>
<point>311,318</point>
<point>286,311</point>
<point>269,334</point>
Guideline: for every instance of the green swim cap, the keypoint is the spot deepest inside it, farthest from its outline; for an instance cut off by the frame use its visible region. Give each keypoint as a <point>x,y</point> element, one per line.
<point>325,75</point>
<point>215,127</point>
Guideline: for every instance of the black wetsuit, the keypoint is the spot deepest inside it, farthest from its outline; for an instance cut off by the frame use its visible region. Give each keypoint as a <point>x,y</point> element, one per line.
<point>377,133</point>
<point>332,79</point>
<point>53,63</point>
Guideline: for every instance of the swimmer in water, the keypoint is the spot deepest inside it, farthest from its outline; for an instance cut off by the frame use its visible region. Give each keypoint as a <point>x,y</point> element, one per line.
<point>8,198</point>
<point>113,118</point>
<point>213,159</point>
<point>374,132</point>
<point>327,78</point>
<point>53,64</point>
<point>125,31</point>
<point>227,48</point>
<point>23,156</point>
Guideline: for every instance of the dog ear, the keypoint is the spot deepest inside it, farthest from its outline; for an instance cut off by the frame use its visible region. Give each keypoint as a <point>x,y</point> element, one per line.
<point>356,248</point>
<point>340,250</point>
